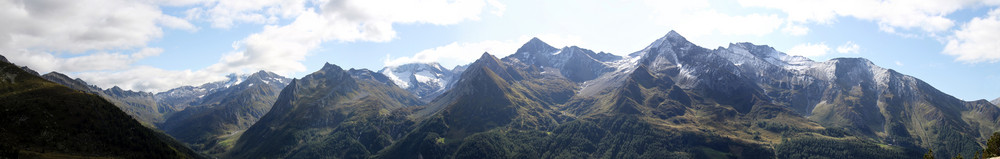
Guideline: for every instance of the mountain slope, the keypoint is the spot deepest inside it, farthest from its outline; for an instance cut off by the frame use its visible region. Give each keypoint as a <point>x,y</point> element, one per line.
<point>44,119</point>
<point>142,106</point>
<point>329,113</point>
<point>221,116</point>
<point>492,101</point>
<point>149,108</point>
<point>77,84</point>
<point>844,93</point>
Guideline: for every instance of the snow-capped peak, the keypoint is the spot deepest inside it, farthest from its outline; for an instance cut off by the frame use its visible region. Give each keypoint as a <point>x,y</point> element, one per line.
<point>422,79</point>
<point>235,79</point>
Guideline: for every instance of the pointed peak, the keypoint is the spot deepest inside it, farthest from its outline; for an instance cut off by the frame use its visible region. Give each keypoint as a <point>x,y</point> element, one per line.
<point>57,74</point>
<point>486,55</point>
<point>674,35</point>
<point>329,66</point>
<point>116,89</point>
<point>262,73</point>
<point>535,40</point>
<point>672,39</point>
<point>535,45</point>
<point>487,59</point>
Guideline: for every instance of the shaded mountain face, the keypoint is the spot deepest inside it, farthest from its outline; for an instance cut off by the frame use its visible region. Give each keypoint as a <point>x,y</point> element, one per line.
<point>77,84</point>
<point>140,105</point>
<point>41,119</point>
<point>425,80</point>
<point>330,113</point>
<point>214,124</point>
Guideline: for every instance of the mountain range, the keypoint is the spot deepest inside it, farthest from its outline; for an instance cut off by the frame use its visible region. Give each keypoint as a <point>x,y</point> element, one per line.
<point>331,113</point>
<point>671,99</point>
<point>42,119</point>
<point>208,117</point>
<point>214,122</point>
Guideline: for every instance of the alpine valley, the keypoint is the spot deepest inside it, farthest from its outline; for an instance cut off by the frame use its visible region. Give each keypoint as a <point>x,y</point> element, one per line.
<point>671,99</point>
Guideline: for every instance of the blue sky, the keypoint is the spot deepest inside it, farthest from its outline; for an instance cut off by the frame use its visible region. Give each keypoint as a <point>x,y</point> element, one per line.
<point>155,45</point>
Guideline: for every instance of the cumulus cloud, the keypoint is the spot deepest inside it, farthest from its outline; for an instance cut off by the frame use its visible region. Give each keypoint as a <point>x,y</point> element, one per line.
<point>466,52</point>
<point>81,25</point>
<point>282,48</point>
<point>809,50</point>
<point>977,41</point>
<point>696,17</point>
<point>849,47</point>
<point>83,35</point>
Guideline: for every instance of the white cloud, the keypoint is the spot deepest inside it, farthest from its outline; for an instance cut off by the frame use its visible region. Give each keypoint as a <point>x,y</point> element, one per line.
<point>899,63</point>
<point>81,25</point>
<point>795,29</point>
<point>696,18</point>
<point>176,23</point>
<point>499,8</point>
<point>282,48</point>
<point>456,53</point>
<point>226,13</point>
<point>466,52</point>
<point>84,36</point>
<point>849,47</point>
<point>41,31</point>
<point>47,62</point>
<point>891,15</point>
<point>977,41</point>
<point>809,50</point>
<point>148,79</point>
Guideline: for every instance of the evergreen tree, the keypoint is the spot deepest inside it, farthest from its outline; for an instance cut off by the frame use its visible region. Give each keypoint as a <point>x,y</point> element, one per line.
<point>983,154</point>
<point>993,146</point>
<point>929,154</point>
